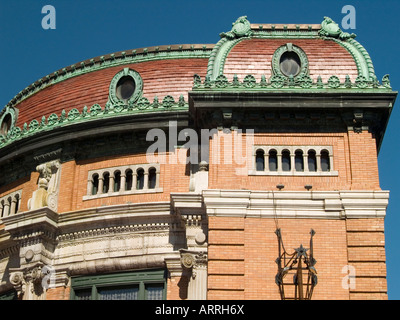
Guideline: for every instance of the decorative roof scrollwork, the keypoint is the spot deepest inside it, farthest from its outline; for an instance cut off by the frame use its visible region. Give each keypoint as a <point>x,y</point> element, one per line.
<point>276,82</point>
<point>95,112</point>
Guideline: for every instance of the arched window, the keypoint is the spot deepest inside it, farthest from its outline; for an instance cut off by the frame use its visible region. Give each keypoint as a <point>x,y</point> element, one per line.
<point>117,181</point>
<point>298,160</point>
<point>273,161</point>
<point>95,184</point>
<point>17,203</point>
<point>312,161</point>
<point>2,208</point>
<point>140,179</point>
<point>152,178</point>
<point>128,180</point>
<point>9,201</point>
<point>260,164</point>
<point>325,164</point>
<point>106,182</point>
<point>286,160</point>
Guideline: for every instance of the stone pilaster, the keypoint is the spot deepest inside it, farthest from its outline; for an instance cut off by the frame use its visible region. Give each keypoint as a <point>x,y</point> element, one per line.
<point>196,263</point>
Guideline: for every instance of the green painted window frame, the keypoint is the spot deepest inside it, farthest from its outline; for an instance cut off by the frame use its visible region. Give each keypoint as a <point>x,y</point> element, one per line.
<point>135,278</point>
<point>9,295</point>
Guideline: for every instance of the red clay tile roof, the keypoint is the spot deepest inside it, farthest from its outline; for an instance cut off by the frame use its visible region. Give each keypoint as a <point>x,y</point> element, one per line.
<point>160,77</point>
<point>326,58</point>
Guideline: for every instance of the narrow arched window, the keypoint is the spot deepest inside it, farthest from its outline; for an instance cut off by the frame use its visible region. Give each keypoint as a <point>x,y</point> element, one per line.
<point>17,203</point>
<point>129,179</point>
<point>2,208</point>
<point>117,181</point>
<point>312,161</point>
<point>325,164</point>
<point>152,178</point>
<point>298,160</point>
<point>106,182</point>
<point>9,202</point>
<point>286,160</point>
<point>140,179</point>
<point>260,164</point>
<point>273,160</point>
<point>95,184</point>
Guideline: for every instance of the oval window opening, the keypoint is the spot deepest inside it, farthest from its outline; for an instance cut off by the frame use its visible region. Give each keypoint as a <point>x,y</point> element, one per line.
<point>125,88</point>
<point>6,124</point>
<point>290,64</point>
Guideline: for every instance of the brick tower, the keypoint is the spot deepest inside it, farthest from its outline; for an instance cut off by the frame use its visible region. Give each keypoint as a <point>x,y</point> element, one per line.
<point>241,170</point>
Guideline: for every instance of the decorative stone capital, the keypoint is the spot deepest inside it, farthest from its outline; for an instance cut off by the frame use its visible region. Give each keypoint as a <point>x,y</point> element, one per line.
<point>194,260</point>
<point>30,283</point>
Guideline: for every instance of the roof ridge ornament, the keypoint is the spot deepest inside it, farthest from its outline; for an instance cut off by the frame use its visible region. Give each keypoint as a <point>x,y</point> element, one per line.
<point>330,28</point>
<point>240,28</point>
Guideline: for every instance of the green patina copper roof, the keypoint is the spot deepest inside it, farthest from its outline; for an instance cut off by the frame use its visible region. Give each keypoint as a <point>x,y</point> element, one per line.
<point>214,81</point>
<point>328,29</point>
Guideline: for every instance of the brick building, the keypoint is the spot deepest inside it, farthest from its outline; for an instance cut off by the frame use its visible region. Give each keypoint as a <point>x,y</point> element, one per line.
<point>199,172</point>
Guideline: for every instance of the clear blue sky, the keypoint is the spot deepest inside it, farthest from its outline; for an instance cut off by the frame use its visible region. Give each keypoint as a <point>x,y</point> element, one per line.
<point>88,28</point>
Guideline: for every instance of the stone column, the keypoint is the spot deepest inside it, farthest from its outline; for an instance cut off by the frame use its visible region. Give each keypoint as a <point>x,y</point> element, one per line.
<point>111,184</point>
<point>318,160</point>
<point>196,262</point>
<point>292,162</point>
<point>6,209</point>
<point>279,162</point>
<point>157,179</point>
<point>305,162</point>
<point>134,181</point>
<point>146,181</point>
<point>123,182</point>
<point>89,187</point>
<point>101,184</point>
<point>266,162</point>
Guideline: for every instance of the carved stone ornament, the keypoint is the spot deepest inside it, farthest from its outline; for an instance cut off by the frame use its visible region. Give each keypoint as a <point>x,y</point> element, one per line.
<point>193,260</point>
<point>29,283</point>
<point>240,28</point>
<point>48,185</point>
<point>330,28</point>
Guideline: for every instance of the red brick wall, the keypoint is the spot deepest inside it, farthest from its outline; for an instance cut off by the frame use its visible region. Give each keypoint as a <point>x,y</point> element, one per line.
<point>354,157</point>
<point>74,176</point>
<point>242,253</point>
<point>59,293</point>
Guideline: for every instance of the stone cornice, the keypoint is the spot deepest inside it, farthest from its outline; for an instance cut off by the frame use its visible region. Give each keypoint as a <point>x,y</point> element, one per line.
<point>154,215</point>
<point>291,204</point>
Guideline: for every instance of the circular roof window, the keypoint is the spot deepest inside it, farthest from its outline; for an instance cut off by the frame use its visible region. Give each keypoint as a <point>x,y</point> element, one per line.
<point>290,64</point>
<point>125,88</point>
